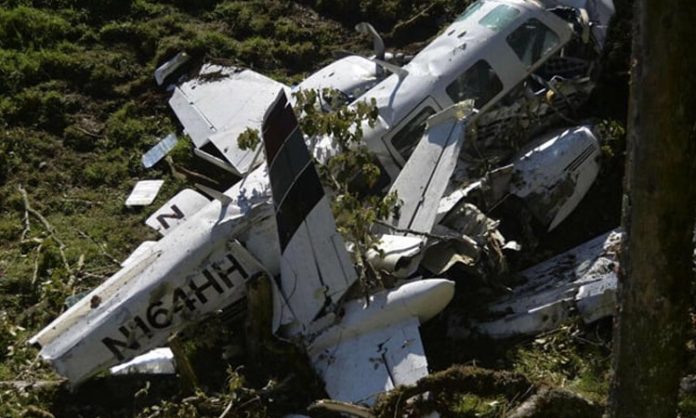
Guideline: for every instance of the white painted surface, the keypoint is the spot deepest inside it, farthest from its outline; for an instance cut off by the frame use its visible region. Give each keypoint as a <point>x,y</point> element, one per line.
<point>157,361</point>
<point>555,175</point>
<point>176,211</point>
<point>424,179</point>
<point>376,347</point>
<point>222,103</point>
<point>144,193</point>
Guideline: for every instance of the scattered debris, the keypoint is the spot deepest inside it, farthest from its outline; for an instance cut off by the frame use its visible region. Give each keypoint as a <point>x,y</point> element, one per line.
<point>159,151</point>
<point>144,193</point>
<point>157,361</point>
<point>169,67</point>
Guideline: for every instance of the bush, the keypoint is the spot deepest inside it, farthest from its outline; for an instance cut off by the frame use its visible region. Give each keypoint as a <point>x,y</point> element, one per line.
<point>110,170</point>
<point>124,128</point>
<point>25,28</point>
<point>37,108</point>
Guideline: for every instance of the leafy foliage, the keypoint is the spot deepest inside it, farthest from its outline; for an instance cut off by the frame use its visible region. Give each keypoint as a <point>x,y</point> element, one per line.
<point>351,173</point>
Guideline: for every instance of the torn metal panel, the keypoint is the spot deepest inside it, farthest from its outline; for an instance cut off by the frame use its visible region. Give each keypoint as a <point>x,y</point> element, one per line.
<point>144,193</point>
<point>159,151</point>
<point>582,279</point>
<point>599,13</point>
<point>597,300</point>
<point>474,238</point>
<point>157,361</point>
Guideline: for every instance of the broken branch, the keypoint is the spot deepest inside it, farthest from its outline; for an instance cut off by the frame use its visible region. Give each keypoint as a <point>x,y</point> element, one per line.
<point>100,246</point>
<point>49,229</point>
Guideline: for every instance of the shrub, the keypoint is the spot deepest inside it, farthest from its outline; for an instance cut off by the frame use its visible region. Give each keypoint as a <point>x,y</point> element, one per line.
<point>28,28</point>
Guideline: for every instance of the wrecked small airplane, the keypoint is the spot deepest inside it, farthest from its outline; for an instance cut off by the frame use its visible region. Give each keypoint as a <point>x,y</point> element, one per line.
<point>484,89</point>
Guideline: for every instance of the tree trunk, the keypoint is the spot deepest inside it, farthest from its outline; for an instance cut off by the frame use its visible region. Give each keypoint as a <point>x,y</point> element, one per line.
<point>659,212</point>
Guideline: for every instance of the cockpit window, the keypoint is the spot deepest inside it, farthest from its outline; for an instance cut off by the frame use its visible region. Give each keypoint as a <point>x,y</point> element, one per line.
<point>470,11</point>
<point>408,137</point>
<point>499,17</point>
<point>532,41</point>
<point>479,82</point>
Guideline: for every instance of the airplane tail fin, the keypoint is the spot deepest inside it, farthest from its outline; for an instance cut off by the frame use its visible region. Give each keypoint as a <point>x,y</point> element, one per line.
<point>316,269</point>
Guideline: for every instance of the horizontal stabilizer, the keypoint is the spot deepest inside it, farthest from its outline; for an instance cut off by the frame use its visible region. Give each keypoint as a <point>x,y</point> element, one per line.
<point>359,369</point>
<point>377,346</point>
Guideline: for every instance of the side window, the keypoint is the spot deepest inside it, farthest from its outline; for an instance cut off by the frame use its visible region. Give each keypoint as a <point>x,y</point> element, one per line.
<point>408,137</point>
<point>532,41</point>
<point>499,17</point>
<point>479,83</point>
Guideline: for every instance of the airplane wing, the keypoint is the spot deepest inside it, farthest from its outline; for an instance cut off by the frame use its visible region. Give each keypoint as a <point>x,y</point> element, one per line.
<point>315,268</point>
<point>424,178</point>
<point>218,106</point>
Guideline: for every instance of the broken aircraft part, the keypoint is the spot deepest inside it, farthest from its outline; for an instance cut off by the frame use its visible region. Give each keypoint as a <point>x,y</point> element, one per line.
<point>582,279</point>
<point>396,255</point>
<point>157,361</point>
<point>160,150</point>
<point>554,176</point>
<point>376,346</point>
<point>144,193</point>
<point>169,67</point>
<point>369,346</point>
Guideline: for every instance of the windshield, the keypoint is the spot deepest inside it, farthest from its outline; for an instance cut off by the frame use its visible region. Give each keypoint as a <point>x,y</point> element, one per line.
<point>499,17</point>
<point>470,10</point>
<point>532,41</point>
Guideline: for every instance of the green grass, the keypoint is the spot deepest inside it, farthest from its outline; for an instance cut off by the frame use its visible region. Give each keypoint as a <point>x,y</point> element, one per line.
<point>567,359</point>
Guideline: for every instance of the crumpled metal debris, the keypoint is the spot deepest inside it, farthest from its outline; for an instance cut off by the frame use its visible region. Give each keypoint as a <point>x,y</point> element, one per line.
<point>475,243</point>
<point>582,279</point>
